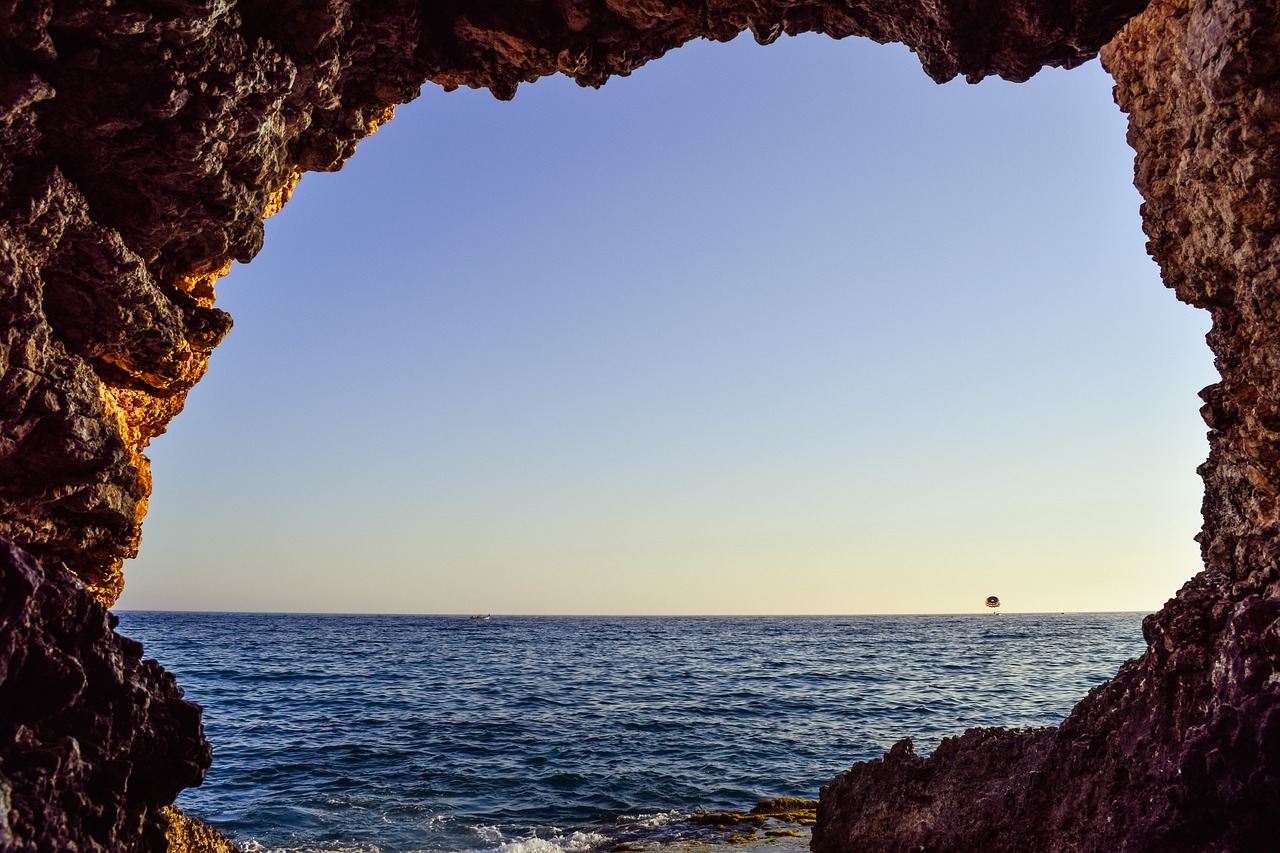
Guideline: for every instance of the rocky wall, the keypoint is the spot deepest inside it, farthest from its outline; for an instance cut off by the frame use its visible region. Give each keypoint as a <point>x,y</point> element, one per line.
<point>94,740</point>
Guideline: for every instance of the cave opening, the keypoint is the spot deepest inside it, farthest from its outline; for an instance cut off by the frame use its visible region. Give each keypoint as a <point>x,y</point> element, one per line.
<point>926,339</point>
<point>710,319</point>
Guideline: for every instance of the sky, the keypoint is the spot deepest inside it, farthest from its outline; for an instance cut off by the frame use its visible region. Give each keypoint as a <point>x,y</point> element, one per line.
<point>754,330</point>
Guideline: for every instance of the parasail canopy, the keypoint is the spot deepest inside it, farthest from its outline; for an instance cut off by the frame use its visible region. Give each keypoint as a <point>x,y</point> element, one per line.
<point>992,601</point>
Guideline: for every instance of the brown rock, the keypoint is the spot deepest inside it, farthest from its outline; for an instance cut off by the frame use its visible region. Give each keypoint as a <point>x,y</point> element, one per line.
<point>185,834</point>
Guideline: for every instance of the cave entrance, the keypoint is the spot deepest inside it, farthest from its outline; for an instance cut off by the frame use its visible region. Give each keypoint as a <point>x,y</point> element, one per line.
<point>715,339</point>
<point>749,312</point>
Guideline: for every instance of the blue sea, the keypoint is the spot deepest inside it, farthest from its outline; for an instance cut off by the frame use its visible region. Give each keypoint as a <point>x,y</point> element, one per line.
<point>390,734</point>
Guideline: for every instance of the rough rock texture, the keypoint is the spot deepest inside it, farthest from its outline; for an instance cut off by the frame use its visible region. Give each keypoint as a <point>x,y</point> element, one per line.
<point>144,142</point>
<point>187,835</point>
<point>1181,751</point>
<point>94,741</point>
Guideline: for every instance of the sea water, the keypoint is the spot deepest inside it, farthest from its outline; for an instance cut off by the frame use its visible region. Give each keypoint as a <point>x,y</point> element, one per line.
<point>389,734</point>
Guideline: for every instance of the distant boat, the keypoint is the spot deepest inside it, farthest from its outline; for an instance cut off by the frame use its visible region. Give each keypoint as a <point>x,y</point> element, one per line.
<point>484,618</point>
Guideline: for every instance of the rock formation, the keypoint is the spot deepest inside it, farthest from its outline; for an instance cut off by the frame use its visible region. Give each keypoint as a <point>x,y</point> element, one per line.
<point>144,141</point>
<point>94,741</point>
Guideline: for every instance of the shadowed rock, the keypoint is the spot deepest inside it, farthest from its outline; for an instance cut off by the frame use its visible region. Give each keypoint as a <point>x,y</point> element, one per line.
<point>94,740</point>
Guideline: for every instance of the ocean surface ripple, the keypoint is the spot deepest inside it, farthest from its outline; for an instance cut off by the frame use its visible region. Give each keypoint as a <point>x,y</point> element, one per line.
<point>391,734</point>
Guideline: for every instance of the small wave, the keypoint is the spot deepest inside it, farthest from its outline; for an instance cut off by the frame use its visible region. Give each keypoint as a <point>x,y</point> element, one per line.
<point>488,835</point>
<point>577,842</point>
<point>318,847</point>
<point>652,821</point>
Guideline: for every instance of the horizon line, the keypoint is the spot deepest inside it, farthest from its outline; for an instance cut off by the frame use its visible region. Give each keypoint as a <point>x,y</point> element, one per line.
<point>471,615</point>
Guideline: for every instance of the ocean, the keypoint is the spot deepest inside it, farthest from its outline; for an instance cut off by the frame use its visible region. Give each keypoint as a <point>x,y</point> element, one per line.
<point>392,734</point>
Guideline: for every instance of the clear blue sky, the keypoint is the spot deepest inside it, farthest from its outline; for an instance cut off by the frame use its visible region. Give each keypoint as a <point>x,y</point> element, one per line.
<point>755,330</point>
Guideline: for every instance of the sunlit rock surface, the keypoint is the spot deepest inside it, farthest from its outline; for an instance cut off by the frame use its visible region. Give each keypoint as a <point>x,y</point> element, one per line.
<point>1181,751</point>
<point>143,144</point>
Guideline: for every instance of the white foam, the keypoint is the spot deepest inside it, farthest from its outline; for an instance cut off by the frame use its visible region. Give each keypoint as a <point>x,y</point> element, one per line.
<point>649,821</point>
<point>488,834</point>
<point>255,846</point>
<point>319,847</point>
<point>578,842</point>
